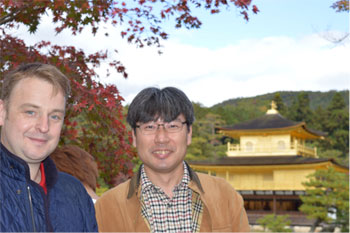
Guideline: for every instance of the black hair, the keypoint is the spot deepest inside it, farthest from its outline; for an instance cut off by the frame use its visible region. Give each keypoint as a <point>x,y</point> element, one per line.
<point>154,103</point>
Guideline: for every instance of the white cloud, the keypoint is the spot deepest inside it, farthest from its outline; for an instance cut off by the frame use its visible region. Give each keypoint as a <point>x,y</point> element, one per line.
<point>246,68</point>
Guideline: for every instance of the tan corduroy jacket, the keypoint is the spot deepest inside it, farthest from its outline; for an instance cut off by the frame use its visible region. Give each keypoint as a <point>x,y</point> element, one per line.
<point>119,209</point>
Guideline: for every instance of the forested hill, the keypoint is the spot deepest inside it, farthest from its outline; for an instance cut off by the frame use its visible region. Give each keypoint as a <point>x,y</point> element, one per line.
<point>323,111</point>
<point>317,99</point>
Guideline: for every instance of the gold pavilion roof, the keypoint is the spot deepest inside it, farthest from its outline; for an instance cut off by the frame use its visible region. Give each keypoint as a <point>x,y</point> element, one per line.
<point>271,123</point>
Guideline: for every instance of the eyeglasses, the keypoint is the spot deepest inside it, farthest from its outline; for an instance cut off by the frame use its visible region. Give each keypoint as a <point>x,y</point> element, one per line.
<point>152,127</point>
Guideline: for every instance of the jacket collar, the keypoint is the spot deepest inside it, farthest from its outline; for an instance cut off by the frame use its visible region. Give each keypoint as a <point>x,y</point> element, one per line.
<point>136,179</point>
<point>16,167</point>
<point>51,172</point>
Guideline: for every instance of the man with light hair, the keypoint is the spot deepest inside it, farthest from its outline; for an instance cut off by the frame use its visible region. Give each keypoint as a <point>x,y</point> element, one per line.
<point>34,196</point>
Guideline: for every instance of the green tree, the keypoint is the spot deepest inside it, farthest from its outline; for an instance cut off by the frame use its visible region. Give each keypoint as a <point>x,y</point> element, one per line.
<point>199,110</point>
<point>336,124</point>
<point>233,114</point>
<point>337,102</point>
<point>206,143</point>
<point>320,116</point>
<point>337,155</point>
<point>275,223</point>
<point>300,109</point>
<point>281,107</point>
<point>327,195</point>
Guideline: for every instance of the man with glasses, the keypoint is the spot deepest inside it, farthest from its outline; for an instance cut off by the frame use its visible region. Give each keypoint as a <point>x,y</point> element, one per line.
<point>166,195</point>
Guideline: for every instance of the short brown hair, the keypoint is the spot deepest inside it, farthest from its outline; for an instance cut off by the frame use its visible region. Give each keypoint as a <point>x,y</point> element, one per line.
<point>46,72</point>
<point>77,162</point>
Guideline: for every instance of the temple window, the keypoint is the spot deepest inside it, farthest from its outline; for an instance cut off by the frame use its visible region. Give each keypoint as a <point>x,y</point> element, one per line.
<point>281,145</point>
<point>249,146</point>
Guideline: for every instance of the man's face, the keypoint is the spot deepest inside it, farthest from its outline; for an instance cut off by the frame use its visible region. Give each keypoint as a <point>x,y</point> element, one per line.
<point>32,120</point>
<point>163,152</point>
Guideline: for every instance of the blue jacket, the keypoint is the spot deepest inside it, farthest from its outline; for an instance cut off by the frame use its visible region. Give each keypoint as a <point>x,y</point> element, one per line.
<point>24,206</point>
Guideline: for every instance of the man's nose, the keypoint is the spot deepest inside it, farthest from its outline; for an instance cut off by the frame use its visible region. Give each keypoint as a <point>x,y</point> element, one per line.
<point>161,134</point>
<point>42,124</point>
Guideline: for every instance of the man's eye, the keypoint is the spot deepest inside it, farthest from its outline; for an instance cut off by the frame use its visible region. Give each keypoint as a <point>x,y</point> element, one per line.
<point>30,113</point>
<point>56,117</point>
<point>149,127</point>
<point>173,125</point>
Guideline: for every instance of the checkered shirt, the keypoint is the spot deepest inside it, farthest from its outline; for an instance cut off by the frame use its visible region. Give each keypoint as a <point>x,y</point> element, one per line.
<point>182,213</point>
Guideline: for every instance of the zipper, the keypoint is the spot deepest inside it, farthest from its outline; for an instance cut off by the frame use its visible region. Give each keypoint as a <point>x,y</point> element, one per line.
<point>31,208</point>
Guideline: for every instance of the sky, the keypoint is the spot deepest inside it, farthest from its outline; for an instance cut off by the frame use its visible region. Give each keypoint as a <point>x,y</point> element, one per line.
<point>287,46</point>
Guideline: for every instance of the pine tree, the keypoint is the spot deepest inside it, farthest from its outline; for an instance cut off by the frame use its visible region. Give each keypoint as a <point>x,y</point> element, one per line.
<point>300,109</point>
<point>275,223</point>
<point>281,107</point>
<point>327,196</point>
<point>336,125</point>
<point>337,102</point>
<point>206,143</point>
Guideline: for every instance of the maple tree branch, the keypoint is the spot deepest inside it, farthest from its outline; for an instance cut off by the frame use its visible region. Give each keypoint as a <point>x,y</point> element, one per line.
<point>11,16</point>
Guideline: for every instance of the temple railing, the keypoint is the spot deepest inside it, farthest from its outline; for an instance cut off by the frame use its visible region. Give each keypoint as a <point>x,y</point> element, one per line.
<point>271,149</point>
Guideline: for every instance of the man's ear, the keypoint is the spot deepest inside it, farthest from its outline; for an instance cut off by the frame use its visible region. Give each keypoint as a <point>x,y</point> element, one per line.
<point>133,137</point>
<point>2,112</point>
<point>189,135</point>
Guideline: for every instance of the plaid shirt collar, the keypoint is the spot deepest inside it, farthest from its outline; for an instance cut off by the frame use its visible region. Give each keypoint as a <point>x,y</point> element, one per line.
<point>136,181</point>
<point>146,184</point>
